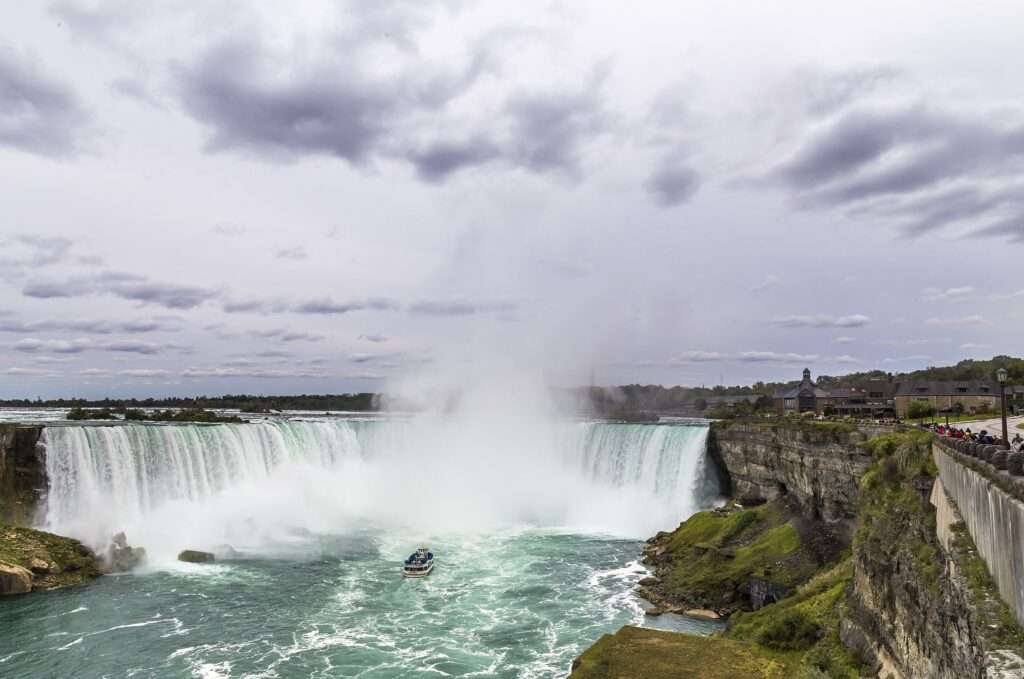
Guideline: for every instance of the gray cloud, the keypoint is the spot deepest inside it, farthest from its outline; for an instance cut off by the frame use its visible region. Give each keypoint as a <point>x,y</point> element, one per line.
<point>822,321</point>
<point>454,308</point>
<point>88,326</point>
<point>672,183</point>
<point>440,159</point>
<point>925,169</point>
<point>125,286</point>
<point>37,114</point>
<point>81,345</point>
<point>260,373</point>
<point>263,306</point>
<point>286,335</point>
<point>337,107</point>
<point>549,129</point>
<point>376,339</point>
<point>326,306</point>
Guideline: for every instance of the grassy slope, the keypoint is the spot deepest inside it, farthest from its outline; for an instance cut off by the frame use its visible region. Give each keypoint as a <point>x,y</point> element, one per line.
<point>75,563</point>
<point>635,653</point>
<point>712,553</point>
<point>806,624</point>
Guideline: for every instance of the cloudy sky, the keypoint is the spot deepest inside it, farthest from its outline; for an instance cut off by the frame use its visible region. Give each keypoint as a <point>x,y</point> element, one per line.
<point>324,196</point>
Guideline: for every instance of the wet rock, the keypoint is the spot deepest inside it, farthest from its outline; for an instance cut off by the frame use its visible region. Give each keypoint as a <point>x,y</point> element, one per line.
<point>122,557</point>
<point>14,579</point>
<point>653,612</point>
<point>196,556</point>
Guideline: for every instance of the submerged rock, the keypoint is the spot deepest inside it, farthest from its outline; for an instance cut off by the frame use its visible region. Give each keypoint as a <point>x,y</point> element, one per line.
<point>122,557</point>
<point>14,579</point>
<point>196,556</point>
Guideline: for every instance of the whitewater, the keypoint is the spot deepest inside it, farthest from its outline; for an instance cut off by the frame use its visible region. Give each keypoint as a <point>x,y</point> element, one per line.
<point>538,531</point>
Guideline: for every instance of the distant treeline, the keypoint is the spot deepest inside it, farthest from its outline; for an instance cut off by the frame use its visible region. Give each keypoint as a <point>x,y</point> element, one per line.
<point>135,415</point>
<point>627,402</point>
<point>246,403</point>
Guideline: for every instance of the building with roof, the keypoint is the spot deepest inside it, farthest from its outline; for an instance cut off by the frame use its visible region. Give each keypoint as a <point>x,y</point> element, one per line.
<point>965,396</point>
<point>869,399</point>
<point>807,397</point>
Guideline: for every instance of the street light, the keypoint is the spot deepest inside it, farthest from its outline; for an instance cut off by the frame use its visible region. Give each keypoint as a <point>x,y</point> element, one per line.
<point>1001,378</point>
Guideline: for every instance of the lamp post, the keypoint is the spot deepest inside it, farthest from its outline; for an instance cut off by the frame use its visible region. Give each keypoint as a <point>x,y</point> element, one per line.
<point>1001,378</point>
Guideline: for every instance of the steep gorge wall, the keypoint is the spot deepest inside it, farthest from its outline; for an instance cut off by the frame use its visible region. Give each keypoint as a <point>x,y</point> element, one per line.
<point>819,467</point>
<point>22,474</point>
<point>912,611</point>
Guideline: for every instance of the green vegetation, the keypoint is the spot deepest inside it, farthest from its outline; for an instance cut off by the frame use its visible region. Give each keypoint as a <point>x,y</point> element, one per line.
<point>918,410</point>
<point>807,621</point>
<point>636,653</point>
<point>818,430</point>
<point>136,415</point>
<point>893,517</point>
<point>709,560</point>
<point>91,414</point>
<point>202,416</point>
<point>67,561</point>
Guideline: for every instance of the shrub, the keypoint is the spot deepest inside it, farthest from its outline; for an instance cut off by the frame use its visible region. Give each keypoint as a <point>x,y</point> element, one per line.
<point>791,631</point>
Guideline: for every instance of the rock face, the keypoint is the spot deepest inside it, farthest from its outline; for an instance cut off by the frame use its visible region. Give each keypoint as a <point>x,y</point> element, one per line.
<point>818,467</point>
<point>196,556</point>
<point>22,474</point>
<point>14,579</point>
<point>912,613</point>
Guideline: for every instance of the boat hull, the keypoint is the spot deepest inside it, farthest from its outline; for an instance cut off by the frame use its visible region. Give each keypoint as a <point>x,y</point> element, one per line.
<point>419,573</point>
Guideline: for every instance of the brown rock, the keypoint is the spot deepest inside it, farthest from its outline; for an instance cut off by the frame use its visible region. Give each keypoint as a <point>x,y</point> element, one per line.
<point>38,566</point>
<point>14,579</point>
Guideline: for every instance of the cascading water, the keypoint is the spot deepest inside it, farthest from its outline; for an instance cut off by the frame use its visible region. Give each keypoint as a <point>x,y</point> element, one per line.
<point>537,526</point>
<point>254,482</point>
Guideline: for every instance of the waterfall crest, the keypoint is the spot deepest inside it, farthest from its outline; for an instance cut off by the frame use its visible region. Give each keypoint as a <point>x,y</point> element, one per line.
<point>197,485</point>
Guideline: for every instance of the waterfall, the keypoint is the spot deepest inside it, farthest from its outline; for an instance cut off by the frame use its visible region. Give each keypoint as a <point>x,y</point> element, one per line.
<point>260,483</point>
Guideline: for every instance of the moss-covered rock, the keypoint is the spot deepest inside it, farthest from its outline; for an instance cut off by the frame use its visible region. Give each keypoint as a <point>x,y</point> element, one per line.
<point>52,560</point>
<point>714,559</point>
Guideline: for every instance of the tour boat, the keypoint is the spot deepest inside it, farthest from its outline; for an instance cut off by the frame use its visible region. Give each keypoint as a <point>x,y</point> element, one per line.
<point>419,564</point>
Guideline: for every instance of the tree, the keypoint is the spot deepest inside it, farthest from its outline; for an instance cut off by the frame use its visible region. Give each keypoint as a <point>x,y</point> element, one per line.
<point>920,410</point>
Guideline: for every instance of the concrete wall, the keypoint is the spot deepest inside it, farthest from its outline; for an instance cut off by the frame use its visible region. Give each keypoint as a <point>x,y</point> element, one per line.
<point>995,520</point>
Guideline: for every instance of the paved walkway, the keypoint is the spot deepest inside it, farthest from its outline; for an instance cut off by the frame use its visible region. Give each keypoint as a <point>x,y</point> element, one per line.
<point>993,425</point>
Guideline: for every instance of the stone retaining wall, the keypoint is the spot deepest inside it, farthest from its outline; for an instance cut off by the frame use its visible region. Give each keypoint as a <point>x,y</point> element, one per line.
<point>984,496</point>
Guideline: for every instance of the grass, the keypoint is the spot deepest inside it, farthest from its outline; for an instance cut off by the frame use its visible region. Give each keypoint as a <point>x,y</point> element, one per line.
<point>712,554</point>
<point>808,620</point>
<point>636,653</point>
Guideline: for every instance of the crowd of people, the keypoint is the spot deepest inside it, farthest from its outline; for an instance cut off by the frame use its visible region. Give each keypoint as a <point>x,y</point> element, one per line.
<point>983,436</point>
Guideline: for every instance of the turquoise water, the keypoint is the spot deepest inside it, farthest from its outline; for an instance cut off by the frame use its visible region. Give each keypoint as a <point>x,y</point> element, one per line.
<point>520,512</point>
<point>515,604</point>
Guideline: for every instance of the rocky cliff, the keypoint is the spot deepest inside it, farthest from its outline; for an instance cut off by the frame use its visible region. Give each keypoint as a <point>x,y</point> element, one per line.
<point>22,474</point>
<point>816,465</point>
<point>912,600</point>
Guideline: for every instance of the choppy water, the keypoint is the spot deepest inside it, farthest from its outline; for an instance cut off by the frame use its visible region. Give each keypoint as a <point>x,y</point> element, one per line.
<point>521,515</point>
<point>517,604</point>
